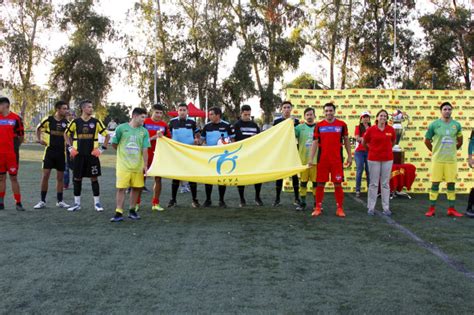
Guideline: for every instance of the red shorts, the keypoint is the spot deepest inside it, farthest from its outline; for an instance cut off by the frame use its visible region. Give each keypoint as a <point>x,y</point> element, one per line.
<point>8,163</point>
<point>335,168</point>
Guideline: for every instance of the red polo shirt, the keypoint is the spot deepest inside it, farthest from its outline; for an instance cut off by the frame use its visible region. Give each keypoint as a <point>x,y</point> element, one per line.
<point>380,143</point>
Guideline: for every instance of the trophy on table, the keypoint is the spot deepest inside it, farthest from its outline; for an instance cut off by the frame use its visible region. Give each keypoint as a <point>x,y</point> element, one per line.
<point>398,117</point>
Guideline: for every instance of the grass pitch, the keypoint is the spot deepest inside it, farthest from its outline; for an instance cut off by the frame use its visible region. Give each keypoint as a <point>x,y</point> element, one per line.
<point>251,260</point>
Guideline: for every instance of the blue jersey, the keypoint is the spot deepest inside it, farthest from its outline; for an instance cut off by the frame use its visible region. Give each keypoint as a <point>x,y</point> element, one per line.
<point>213,132</point>
<point>183,130</point>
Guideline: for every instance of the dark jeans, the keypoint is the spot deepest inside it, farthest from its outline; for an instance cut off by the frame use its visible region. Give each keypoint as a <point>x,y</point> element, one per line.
<point>361,164</point>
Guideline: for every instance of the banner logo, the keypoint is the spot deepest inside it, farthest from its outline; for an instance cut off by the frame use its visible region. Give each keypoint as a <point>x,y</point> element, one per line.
<point>224,157</point>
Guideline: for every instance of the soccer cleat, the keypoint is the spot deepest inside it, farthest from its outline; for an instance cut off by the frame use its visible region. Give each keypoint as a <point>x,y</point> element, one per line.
<point>317,211</point>
<point>207,203</point>
<point>137,207</point>
<point>98,207</point>
<point>195,204</point>
<point>40,205</point>
<point>19,207</point>
<point>258,202</point>
<point>242,203</point>
<point>340,213</point>
<point>453,213</point>
<point>430,212</point>
<point>388,213</point>
<point>2,206</point>
<point>157,207</point>
<point>371,212</point>
<point>296,202</point>
<point>357,194</point>
<point>470,213</point>
<point>172,203</point>
<point>276,203</point>
<point>222,204</point>
<point>117,218</point>
<point>62,204</point>
<point>301,207</point>
<point>133,215</point>
<point>76,207</point>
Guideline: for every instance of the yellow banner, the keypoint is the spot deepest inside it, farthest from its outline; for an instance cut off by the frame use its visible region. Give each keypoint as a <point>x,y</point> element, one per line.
<point>268,156</point>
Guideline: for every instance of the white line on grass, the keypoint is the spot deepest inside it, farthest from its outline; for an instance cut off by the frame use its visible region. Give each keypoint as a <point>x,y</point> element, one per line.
<point>435,250</point>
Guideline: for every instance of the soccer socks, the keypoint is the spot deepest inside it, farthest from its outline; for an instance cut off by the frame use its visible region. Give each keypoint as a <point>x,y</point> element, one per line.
<point>77,187</point>
<point>17,198</point>
<point>59,196</point>
<point>43,196</point>
<point>77,200</point>
<point>208,191</point>
<point>2,197</point>
<point>174,189</point>
<point>155,201</point>
<point>451,194</point>
<point>296,186</point>
<point>339,194</point>
<point>258,188</point>
<point>434,194</point>
<point>193,187</point>
<point>95,188</point>
<point>303,191</point>
<point>241,190</point>
<point>278,188</point>
<point>221,192</point>
<point>319,195</point>
<point>470,201</point>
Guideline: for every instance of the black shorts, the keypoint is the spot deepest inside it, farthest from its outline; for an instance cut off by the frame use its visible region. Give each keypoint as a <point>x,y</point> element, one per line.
<point>86,166</point>
<point>54,159</point>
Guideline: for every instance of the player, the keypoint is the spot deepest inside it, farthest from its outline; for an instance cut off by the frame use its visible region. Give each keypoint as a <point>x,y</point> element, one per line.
<point>443,139</point>
<point>155,126</point>
<point>82,140</point>
<point>330,135</point>
<point>131,141</point>
<point>245,128</point>
<point>11,127</point>
<point>214,131</point>
<point>304,134</point>
<point>286,107</point>
<point>53,128</point>
<point>184,130</point>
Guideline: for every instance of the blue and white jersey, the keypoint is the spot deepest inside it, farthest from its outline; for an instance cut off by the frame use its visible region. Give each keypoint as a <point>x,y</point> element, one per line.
<point>183,130</point>
<point>213,132</point>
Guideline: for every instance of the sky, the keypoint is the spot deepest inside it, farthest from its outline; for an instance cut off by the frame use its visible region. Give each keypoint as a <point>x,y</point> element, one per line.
<point>122,92</point>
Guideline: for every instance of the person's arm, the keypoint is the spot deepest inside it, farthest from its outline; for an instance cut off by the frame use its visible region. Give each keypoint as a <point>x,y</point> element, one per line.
<point>68,139</point>
<point>116,138</point>
<point>39,130</point>
<point>314,147</point>
<point>145,160</point>
<point>429,144</point>
<point>429,137</point>
<point>347,144</point>
<point>470,150</point>
<point>459,138</point>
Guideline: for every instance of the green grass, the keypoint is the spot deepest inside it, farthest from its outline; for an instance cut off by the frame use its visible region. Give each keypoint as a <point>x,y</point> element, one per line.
<point>252,260</point>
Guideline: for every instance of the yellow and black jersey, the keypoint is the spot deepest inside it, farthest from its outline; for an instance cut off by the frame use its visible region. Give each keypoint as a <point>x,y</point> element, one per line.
<point>53,132</point>
<point>85,134</point>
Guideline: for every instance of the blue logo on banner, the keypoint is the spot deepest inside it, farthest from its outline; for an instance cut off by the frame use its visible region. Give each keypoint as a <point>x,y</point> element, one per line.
<point>224,157</point>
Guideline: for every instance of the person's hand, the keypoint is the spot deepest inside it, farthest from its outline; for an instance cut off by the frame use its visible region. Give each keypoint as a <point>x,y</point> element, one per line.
<point>145,170</point>
<point>311,164</point>
<point>73,152</point>
<point>470,160</point>
<point>42,142</point>
<point>348,161</point>
<point>196,141</point>
<point>96,152</point>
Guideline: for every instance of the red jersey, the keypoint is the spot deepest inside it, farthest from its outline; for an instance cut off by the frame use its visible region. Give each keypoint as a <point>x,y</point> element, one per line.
<point>330,138</point>
<point>380,143</point>
<point>360,147</point>
<point>11,127</point>
<point>153,127</point>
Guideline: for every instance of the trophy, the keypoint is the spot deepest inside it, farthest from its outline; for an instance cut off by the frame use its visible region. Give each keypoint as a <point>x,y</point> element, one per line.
<point>398,117</point>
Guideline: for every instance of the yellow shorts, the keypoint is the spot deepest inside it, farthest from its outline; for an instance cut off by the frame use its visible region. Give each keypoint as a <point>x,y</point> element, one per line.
<point>308,175</point>
<point>444,172</point>
<point>129,179</point>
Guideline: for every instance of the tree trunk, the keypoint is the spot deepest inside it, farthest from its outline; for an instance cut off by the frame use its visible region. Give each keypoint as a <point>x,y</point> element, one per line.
<point>346,45</point>
<point>334,41</point>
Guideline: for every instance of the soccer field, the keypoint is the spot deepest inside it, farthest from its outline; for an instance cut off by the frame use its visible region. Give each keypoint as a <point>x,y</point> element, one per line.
<point>251,260</point>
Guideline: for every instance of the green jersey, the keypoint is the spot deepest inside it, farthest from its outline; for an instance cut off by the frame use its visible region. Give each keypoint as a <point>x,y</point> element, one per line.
<point>130,145</point>
<point>444,137</point>
<point>304,135</point>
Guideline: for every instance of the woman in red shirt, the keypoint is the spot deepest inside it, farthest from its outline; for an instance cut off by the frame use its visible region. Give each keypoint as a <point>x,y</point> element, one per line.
<point>379,140</point>
<point>360,154</point>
